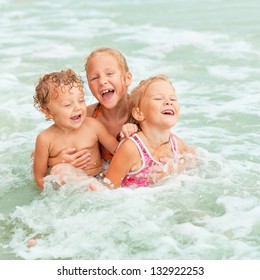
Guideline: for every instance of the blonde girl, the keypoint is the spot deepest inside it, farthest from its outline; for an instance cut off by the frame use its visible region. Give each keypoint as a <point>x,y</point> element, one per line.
<point>140,159</point>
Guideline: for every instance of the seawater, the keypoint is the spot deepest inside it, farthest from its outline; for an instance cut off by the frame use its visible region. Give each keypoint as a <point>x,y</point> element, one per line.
<point>210,50</point>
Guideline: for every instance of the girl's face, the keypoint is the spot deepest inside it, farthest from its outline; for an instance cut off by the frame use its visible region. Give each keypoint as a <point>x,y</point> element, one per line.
<point>159,104</point>
<point>107,81</point>
<point>68,110</point>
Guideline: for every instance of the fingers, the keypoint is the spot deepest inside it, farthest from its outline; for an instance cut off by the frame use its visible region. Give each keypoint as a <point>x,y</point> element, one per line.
<point>69,155</point>
<point>80,153</point>
<point>68,151</point>
<point>128,129</point>
<point>81,159</point>
<point>165,159</point>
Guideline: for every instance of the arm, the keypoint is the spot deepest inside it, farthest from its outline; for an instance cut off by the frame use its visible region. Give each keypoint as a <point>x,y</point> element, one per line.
<point>40,164</point>
<point>105,138</point>
<point>184,148</point>
<point>125,157</point>
<point>189,155</point>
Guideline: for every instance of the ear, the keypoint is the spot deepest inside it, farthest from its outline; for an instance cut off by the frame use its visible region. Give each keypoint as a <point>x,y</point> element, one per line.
<point>128,78</point>
<point>137,114</point>
<point>47,113</point>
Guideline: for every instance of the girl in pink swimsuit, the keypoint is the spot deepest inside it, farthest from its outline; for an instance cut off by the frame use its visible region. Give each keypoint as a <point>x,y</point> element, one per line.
<point>146,175</point>
<point>154,152</point>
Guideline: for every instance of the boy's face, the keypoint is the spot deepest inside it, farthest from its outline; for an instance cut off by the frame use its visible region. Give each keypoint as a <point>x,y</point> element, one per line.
<point>107,81</point>
<point>68,110</point>
<point>159,104</point>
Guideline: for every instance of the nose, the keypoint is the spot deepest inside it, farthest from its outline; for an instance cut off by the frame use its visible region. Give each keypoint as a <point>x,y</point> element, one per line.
<point>168,102</point>
<point>102,80</point>
<point>77,106</point>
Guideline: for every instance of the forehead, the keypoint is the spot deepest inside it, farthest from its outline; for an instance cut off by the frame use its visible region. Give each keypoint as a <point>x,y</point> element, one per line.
<point>63,91</point>
<point>160,87</point>
<point>104,60</point>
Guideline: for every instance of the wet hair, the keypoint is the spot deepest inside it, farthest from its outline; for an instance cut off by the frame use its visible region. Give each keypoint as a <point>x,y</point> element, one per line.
<point>137,94</point>
<point>50,85</point>
<point>114,53</point>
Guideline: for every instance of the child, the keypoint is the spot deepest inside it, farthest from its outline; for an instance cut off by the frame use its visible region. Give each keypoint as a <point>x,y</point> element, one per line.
<point>108,79</point>
<point>60,96</point>
<point>156,110</point>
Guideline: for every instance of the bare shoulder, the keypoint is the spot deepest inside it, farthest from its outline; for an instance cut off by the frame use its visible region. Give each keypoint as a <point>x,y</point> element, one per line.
<point>90,109</point>
<point>46,134</point>
<point>128,148</point>
<point>127,156</point>
<point>93,123</point>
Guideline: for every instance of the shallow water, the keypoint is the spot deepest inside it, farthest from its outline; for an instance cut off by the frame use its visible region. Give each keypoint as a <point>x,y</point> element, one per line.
<point>210,50</point>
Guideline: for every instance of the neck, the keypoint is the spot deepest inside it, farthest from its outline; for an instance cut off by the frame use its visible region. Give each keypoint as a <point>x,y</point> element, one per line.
<point>118,112</point>
<point>156,138</point>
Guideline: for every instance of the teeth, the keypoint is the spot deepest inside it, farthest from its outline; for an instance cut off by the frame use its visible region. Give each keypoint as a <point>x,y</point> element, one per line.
<point>106,91</point>
<point>76,117</point>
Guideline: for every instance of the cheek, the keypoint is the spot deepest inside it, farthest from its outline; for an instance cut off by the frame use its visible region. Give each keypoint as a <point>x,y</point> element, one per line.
<point>177,107</point>
<point>84,109</point>
<point>92,86</point>
<point>178,111</point>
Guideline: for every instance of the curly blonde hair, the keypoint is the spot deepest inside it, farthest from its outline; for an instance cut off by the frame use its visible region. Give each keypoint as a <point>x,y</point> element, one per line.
<point>50,85</point>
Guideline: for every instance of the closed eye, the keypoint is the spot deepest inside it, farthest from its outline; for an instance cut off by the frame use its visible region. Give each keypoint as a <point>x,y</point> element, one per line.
<point>93,78</point>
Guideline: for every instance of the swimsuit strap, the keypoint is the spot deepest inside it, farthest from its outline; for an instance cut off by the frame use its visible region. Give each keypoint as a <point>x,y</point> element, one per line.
<point>149,158</point>
<point>174,143</point>
<point>96,111</point>
<point>145,154</point>
<point>141,145</point>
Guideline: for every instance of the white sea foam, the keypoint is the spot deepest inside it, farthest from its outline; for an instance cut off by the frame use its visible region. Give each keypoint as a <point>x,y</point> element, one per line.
<point>167,40</point>
<point>231,73</point>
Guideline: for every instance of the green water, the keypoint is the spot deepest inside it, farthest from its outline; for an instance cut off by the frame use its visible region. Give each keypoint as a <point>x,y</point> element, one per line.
<point>210,50</point>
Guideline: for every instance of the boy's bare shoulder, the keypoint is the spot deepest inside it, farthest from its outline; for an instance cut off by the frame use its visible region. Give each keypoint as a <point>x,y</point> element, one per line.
<point>89,121</point>
<point>49,130</point>
<point>47,133</point>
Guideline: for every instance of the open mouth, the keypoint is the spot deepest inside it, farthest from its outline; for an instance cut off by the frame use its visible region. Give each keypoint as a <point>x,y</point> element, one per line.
<point>107,94</point>
<point>168,112</point>
<point>76,118</point>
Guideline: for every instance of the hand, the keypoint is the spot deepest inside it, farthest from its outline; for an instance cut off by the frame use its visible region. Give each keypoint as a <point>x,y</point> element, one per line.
<point>78,159</point>
<point>128,129</point>
<point>170,166</point>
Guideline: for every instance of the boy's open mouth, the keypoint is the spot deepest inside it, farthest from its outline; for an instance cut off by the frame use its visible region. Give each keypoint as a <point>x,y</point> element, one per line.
<point>76,118</point>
